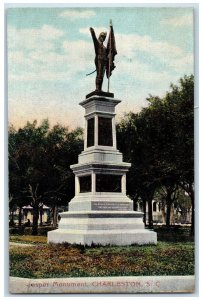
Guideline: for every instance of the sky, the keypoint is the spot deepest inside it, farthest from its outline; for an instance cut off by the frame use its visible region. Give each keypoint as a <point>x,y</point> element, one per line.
<point>50,51</point>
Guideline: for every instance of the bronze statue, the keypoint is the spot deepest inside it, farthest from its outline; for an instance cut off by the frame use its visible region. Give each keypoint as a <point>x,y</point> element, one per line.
<point>104,56</point>
<point>100,57</point>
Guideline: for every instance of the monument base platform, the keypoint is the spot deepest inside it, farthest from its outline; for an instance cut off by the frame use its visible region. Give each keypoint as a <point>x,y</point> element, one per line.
<point>110,237</point>
<point>102,228</point>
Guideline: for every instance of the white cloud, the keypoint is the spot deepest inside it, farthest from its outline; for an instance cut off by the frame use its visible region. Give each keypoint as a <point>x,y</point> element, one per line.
<point>184,63</point>
<point>40,76</point>
<point>41,38</point>
<point>73,14</point>
<point>37,65</point>
<point>130,43</point>
<point>172,57</point>
<point>142,72</point>
<point>76,56</point>
<point>50,33</point>
<point>80,53</point>
<point>179,21</point>
<point>50,60</point>
<point>16,59</point>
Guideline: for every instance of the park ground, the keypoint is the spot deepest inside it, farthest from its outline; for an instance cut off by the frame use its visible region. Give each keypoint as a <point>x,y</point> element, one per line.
<point>31,257</point>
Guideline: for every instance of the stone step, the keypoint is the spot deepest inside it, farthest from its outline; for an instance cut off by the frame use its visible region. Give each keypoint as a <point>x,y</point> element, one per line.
<point>103,237</point>
<point>102,214</point>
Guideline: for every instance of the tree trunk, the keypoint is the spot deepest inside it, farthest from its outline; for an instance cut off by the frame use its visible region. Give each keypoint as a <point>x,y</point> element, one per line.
<point>163,211</point>
<point>20,217</point>
<point>147,196</point>
<point>189,189</point>
<point>55,214</point>
<point>134,205</point>
<point>11,218</point>
<point>150,216</point>
<point>168,213</point>
<point>172,217</point>
<point>192,230</point>
<point>41,213</point>
<point>144,210</point>
<point>35,220</point>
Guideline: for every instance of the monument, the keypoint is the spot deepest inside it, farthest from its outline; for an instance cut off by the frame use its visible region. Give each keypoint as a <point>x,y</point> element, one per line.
<point>100,212</point>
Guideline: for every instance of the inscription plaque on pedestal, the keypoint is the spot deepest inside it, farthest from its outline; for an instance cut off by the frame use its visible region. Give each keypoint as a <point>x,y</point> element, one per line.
<point>105,205</point>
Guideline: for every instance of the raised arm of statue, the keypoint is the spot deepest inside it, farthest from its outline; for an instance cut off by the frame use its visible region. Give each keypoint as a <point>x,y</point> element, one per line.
<point>94,38</point>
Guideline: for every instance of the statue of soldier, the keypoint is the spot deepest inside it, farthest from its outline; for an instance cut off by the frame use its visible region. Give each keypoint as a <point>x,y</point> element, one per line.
<point>100,58</point>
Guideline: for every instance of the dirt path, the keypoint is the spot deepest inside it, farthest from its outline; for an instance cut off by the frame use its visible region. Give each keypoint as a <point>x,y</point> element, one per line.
<point>20,244</point>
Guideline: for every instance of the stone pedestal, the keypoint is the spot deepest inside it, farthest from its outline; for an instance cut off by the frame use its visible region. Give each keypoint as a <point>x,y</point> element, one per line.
<point>100,212</point>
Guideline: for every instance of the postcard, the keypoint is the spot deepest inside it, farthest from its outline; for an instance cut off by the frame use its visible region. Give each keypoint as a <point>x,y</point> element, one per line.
<point>101,149</point>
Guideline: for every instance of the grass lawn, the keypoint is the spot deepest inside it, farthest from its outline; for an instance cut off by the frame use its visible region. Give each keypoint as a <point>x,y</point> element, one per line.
<point>30,239</point>
<point>48,261</point>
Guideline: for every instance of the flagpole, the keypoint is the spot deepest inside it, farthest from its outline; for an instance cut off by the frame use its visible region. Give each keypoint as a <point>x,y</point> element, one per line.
<point>109,56</point>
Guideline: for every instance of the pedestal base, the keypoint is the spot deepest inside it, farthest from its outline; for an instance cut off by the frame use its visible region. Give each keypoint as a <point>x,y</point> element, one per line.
<point>100,93</point>
<point>110,237</point>
<point>102,228</point>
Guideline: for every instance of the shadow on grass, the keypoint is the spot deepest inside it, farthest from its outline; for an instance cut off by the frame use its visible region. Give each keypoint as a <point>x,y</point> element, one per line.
<point>174,234</point>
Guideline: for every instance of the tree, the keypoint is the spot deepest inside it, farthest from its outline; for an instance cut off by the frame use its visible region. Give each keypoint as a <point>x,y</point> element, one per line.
<point>183,95</point>
<point>29,158</point>
<point>177,124</point>
<point>134,141</point>
<point>64,149</point>
<point>168,194</point>
<point>172,130</point>
<point>16,196</point>
<point>159,143</point>
<point>37,157</point>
